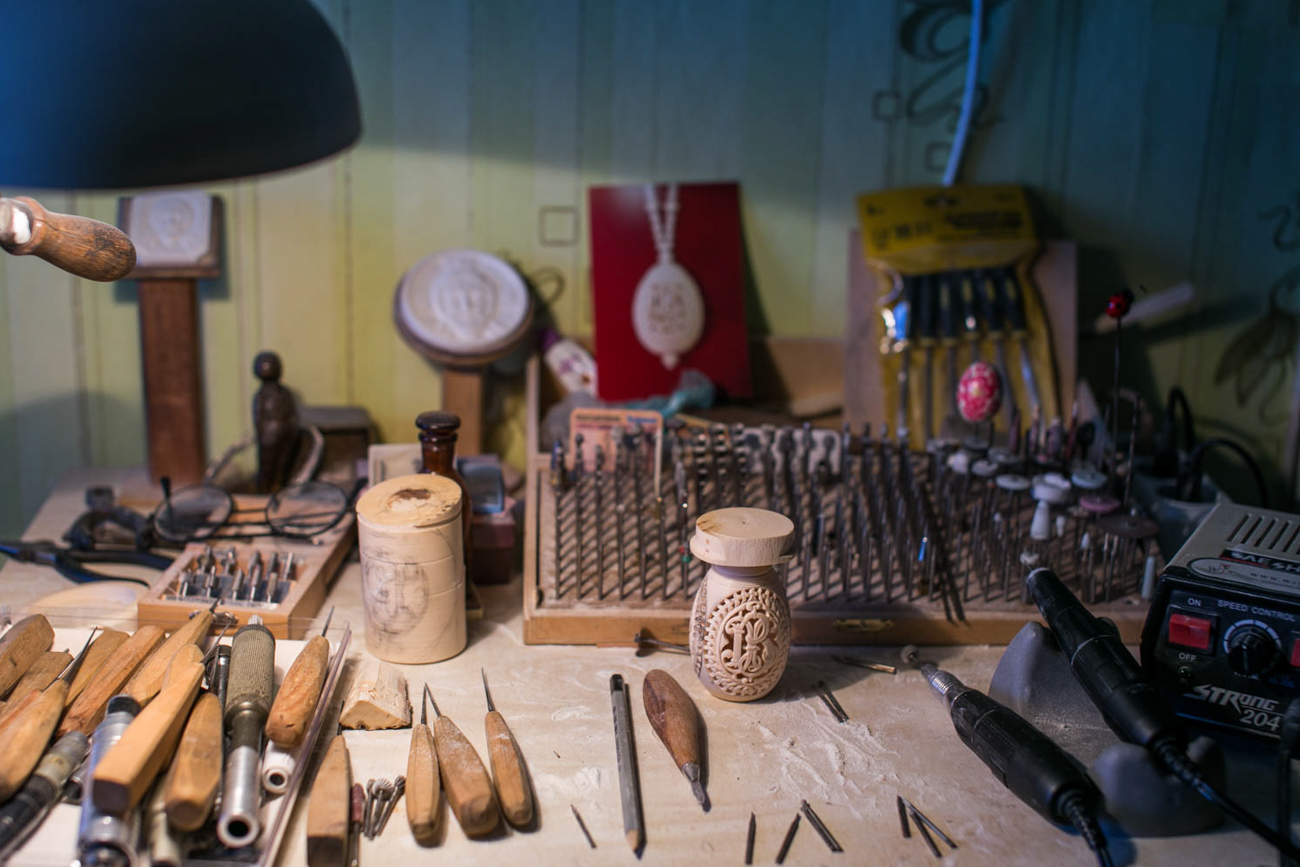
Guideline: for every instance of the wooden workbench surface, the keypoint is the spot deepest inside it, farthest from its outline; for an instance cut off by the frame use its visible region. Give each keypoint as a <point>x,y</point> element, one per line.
<point>763,757</point>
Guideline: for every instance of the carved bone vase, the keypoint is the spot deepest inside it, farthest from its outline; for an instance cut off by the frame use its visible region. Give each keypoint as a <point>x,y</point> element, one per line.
<point>740,620</point>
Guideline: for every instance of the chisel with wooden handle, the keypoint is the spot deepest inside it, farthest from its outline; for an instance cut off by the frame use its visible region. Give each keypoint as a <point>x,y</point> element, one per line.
<point>101,650</point>
<point>195,774</point>
<point>508,770</point>
<point>86,712</point>
<point>127,771</point>
<point>676,721</point>
<point>22,645</point>
<point>78,245</point>
<point>26,731</point>
<point>469,789</point>
<point>329,810</point>
<point>294,703</point>
<point>42,673</point>
<point>147,680</point>
<point>423,786</point>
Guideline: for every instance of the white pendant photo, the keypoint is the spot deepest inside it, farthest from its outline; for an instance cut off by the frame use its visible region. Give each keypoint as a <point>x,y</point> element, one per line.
<point>668,312</point>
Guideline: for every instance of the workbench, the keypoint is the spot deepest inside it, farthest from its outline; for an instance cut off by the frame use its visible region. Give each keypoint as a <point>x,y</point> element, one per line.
<point>764,757</point>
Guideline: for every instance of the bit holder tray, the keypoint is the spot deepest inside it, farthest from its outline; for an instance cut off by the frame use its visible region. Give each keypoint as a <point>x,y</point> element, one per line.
<point>175,594</point>
<point>922,559</point>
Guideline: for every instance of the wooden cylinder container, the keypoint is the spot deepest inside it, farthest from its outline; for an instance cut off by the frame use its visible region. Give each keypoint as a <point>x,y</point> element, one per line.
<point>412,568</point>
<point>740,621</point>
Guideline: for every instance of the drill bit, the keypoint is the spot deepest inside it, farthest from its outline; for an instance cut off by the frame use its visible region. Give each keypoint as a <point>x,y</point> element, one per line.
<point>616,437</point>
<point>633,444</point>
<point>600,523</point>
<point>579,470</point>
<point>557,487</point>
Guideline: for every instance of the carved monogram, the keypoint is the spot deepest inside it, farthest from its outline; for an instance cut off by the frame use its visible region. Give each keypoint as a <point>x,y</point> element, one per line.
<point>746,642</point>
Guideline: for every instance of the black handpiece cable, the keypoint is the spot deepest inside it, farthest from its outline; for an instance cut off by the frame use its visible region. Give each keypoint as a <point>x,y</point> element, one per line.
<point>1130,703</point>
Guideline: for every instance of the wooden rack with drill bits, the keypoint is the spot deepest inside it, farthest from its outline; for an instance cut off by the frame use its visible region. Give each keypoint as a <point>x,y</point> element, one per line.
<point>892,546</point>
<point>281,579</point>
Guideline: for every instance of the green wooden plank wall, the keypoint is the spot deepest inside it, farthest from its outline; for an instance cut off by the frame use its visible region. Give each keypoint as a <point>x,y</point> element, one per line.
<point>1161,134</point>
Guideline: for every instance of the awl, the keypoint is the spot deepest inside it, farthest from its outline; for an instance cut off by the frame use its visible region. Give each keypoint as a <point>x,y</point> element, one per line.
<point>676,721</point>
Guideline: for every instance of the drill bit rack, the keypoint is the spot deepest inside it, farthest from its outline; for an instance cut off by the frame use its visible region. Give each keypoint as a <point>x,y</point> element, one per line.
<point>892,546</point>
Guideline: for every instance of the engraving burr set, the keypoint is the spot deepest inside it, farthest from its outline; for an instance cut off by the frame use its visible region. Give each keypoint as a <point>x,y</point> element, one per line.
<point>877,526</point>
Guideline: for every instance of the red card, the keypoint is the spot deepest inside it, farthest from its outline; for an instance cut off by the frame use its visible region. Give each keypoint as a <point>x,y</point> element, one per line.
<point>708,245</point>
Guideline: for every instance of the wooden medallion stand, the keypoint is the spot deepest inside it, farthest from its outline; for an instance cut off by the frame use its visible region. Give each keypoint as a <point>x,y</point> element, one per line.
<point>170,355</point>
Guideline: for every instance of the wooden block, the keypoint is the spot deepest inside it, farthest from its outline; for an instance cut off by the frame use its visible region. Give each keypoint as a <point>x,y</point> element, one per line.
<point>22,645</point>
<point>101,649</point>
<point>329,807</point>
<point>42,673</point>
<point>377,700</point>
<point>129,767</point>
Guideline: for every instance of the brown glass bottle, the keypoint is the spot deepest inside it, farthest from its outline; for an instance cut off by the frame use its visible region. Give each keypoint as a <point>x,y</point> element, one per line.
<point>438,452</point>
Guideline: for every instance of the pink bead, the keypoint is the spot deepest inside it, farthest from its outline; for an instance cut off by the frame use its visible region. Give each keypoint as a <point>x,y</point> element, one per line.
<point>979,393</point>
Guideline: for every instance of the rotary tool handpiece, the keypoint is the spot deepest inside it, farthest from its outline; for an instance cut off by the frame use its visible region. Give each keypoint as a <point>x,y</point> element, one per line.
<point>1025,760</point>
<point>248,701</point>
<point>1130,703</point>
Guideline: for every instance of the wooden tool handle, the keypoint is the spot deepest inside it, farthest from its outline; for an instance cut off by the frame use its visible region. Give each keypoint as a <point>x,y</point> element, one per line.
<point>25,641</point>
<point>423,786</point>
<point>195,773</point>
<point>508,771</point>
<point>25,736</point>
<point>673,716</point>
<point>88,709</point>
<point>42,673</point>
<point>177,667</point>
<point>129,767</point>
<point>329,808</point>
<point>147,680</point>
<point>466,781</point>
<point>101,650</point>
<point>294,703</point>
<point>78,245</point>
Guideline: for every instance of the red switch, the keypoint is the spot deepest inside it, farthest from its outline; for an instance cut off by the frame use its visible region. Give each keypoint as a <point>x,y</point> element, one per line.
<point>1187,630</point>
<point>1295,654</point>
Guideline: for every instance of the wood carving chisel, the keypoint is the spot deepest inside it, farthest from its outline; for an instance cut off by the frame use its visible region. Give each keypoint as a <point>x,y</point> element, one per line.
<point>125,773</point>
<point>509,772</point>
<point>85,713</point>
<point>41,674</point>
<point>147,680</point>
<point>629,783</point>
<point>22,645</point>
<point>329,810</point>
<point>676,721</point>
<point>469,789</point>
<point>296,700</point>
<point>423,783</point>
<point>195,775</point>
<point>102,649</point>
<point>248,701</point>
<point>26,730</point>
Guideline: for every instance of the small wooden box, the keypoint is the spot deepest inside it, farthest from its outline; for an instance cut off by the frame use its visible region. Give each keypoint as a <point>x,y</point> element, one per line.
<point>317,559</point>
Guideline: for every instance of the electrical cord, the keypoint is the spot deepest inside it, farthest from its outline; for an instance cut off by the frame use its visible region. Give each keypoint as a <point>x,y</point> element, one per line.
<point>1170,754</point>
<point>1189,482</point>
<point>1288,740</point>
<point>1085,822</point>
<point>968,94</point>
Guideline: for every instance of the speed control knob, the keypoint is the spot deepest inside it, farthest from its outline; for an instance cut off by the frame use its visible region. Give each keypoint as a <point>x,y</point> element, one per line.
<point>1253,650</point>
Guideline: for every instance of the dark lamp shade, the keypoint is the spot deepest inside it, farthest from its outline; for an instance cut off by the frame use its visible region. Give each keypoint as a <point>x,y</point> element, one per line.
<point>110,94</point>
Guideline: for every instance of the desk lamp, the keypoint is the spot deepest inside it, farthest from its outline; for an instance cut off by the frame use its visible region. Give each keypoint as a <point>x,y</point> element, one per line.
<point>150,93</point>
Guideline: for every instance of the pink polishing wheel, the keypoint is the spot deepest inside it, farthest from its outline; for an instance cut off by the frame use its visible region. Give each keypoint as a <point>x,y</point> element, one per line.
<point>979,393</point>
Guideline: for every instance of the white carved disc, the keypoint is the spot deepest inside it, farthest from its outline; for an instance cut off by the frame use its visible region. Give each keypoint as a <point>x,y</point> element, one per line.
<point>462,301</point>
<point>668,312</point>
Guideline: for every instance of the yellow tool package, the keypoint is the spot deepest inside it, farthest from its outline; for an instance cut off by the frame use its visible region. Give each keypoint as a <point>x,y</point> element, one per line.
<point>956,265</point>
